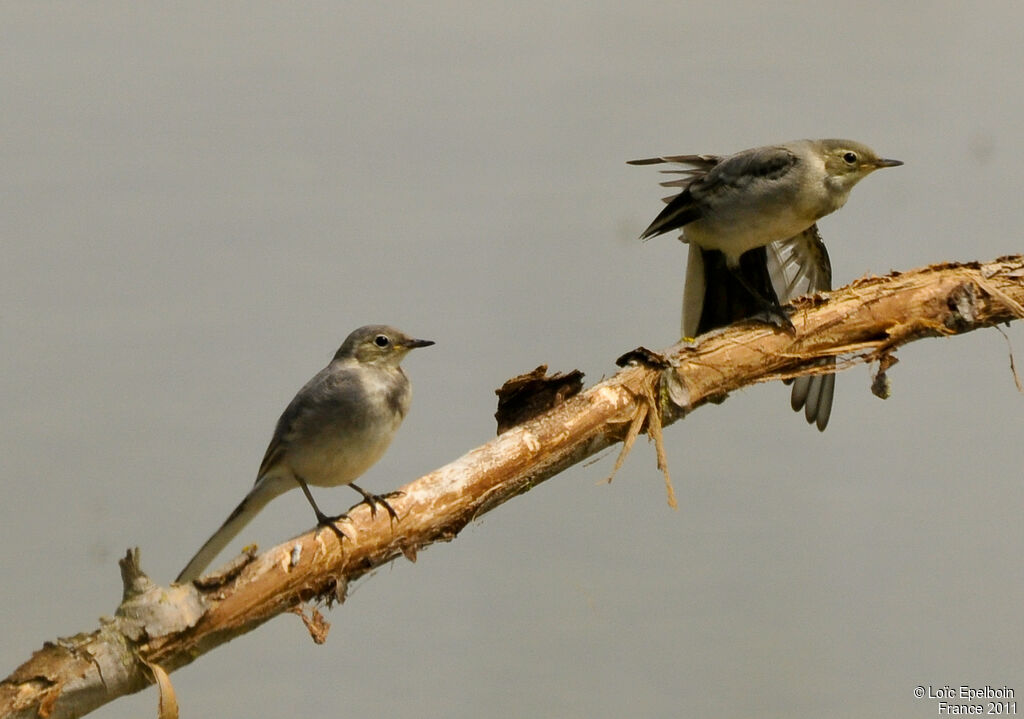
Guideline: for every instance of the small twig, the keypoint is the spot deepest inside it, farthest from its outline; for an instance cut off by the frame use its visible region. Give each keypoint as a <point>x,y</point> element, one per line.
<point>627,444</point>
<point>1013,366</point>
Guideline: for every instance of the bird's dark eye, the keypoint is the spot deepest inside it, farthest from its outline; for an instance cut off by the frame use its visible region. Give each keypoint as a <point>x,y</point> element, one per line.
<point>381,340</point>
<point>850,157</point>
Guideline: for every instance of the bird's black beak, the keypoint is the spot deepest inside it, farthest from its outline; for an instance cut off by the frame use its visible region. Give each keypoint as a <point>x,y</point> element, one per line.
<point>880,163</point>
<point>413,344</point>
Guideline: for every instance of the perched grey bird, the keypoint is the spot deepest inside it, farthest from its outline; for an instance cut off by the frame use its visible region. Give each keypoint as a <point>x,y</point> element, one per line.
<point>749,219</point>
<point>335,429</point>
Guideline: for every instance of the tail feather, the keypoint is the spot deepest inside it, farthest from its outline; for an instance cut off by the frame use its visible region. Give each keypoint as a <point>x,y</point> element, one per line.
<point>814,394</point>
<point>265,490</point>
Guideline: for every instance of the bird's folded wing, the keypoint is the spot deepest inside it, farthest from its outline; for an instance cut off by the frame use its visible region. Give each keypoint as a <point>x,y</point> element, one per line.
<point>680,208</point>
<point>711,176</point>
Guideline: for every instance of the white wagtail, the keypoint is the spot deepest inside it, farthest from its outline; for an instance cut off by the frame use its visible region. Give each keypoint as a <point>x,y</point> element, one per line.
<point>749,219</point>
<point>335,429</point>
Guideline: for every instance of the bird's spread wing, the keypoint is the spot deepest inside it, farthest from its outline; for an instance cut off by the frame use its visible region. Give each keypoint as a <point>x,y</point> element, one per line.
<point>800,265</point>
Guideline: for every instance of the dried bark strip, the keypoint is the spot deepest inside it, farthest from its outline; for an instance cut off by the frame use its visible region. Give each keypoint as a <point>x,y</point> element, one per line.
<point>170,627</point>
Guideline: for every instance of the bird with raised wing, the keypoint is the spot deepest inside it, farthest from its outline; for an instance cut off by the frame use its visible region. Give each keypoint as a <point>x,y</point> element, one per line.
<point>750,222</point>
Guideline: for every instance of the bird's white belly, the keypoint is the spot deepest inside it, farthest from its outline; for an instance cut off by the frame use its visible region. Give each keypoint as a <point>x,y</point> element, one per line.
<point>334,461</point>
<point>741,230</point>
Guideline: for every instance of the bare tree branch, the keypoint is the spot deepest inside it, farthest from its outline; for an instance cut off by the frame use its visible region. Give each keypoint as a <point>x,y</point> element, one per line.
<point>158,629</point>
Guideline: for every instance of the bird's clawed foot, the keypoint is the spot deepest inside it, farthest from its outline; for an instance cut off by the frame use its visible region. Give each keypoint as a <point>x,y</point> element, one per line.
<point>374,499</point>
<point>776,316</point>
<point>323,520</point>
<point>330,521</point>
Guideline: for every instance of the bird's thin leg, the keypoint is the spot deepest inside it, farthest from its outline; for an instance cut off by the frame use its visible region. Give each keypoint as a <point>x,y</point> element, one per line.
<point>770,312</point>
<point>374,499</point>
<point>322,519</point>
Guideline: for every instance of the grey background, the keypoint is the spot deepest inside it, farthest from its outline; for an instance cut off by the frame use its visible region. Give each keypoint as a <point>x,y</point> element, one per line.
<point>200,201</point>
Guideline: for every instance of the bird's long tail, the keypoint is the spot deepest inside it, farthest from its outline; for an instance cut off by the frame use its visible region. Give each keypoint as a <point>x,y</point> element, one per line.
<point>814,394</point>
<point>265,490</point>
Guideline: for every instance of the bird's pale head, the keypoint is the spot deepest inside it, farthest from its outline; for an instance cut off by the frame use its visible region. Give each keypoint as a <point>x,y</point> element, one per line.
<point>379,345</point>
<point>848,162</point>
